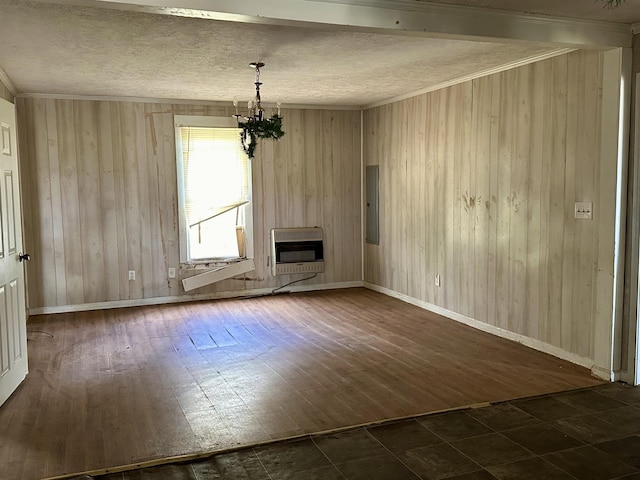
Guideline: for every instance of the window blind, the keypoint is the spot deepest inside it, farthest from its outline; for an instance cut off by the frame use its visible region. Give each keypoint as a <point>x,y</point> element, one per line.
<point>215,172</point>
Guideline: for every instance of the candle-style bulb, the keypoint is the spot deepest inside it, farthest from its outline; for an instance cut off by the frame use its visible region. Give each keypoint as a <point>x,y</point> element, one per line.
<point>235,104</point>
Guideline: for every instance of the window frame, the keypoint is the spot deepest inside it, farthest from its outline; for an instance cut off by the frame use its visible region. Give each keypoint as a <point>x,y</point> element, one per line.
<point>183,238</point>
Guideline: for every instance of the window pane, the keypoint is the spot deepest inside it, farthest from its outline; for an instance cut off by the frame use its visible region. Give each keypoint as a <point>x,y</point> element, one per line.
<point>216,238</point>
<point>216,179</point>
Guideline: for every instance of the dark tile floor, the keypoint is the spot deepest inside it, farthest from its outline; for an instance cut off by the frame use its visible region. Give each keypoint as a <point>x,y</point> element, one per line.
<point>588,434</point>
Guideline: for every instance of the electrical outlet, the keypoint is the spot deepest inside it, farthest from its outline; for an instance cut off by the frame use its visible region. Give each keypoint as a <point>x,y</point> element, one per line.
<point>437,280</point>
<point>132,274</point>
<point>172,272</point>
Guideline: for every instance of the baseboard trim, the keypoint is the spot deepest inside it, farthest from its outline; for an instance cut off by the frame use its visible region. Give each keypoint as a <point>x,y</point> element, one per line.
<point>83,307</point>
<point>604,374</point>
<point>596,371</point>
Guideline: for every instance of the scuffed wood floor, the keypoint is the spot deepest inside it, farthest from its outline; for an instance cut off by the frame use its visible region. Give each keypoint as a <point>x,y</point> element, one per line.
<point>117,387</point>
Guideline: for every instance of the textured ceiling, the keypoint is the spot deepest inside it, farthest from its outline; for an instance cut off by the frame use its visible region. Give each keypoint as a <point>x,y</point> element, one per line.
<point>82,50</point>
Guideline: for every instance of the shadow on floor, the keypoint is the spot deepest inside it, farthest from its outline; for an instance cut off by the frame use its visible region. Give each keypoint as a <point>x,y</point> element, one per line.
<point>587,434</point>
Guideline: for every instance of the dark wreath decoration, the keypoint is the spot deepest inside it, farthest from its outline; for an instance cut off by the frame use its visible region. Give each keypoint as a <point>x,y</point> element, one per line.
<point>252,129</point>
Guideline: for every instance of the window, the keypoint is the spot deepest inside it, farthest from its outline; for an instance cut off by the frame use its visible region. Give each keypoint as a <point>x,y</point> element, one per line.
<point>214,190</point>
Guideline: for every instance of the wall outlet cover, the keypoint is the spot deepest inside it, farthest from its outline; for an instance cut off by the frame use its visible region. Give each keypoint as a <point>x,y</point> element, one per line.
<point>583,210</point>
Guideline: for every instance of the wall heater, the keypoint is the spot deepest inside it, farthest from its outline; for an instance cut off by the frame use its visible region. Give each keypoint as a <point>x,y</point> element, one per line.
<point>296,250</point>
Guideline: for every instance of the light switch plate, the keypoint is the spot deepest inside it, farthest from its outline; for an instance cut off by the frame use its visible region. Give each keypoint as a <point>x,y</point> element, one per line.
<point>584,210</point>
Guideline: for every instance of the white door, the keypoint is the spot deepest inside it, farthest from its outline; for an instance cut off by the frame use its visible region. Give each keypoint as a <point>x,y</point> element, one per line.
<point>13,319</point>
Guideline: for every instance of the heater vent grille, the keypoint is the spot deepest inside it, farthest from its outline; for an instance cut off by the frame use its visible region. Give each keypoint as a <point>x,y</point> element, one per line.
<point>296,250</point>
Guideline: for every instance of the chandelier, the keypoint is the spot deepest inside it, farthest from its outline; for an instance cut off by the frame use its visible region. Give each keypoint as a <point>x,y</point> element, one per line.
<point>255,125</point>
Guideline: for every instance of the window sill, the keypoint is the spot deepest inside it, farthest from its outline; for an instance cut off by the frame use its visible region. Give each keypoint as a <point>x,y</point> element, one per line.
<point>209,275</point>
<point>211,263</point>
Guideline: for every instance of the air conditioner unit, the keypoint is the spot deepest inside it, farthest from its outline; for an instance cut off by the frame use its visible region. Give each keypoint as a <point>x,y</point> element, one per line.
<point>296,250</point>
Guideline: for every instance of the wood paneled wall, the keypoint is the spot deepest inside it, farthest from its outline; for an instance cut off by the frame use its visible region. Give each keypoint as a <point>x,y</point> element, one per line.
<point>5,93</point>
<point>478,183</point>
<point>100,197</point>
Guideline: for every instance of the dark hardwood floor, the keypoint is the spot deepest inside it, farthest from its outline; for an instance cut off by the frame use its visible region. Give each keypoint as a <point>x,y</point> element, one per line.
<point>116,387</point>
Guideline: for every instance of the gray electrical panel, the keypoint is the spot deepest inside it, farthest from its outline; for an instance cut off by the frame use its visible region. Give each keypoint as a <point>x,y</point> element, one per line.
<point>372,234</point>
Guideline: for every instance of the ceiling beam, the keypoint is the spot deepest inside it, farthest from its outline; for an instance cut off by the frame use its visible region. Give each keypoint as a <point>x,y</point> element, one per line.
<point>402,17</point>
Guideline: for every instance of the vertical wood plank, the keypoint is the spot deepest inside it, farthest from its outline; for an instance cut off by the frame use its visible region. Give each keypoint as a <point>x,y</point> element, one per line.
<point>506,124</point>
<point>441,227</point>
<point>519,196</point>
<point>556,199</point>
<point>354,218</point>
<point>309,120</point>
<point>133,216</point>
<point>535,198</point>
<point>573,78</point>
<point>146,178</point>
<point>74,262</point>
<point>328,168</point>
<point>92,253</point>
<point>494,161</point>
<point>415,197</point>
<point>46,253</point>
<point>546,75</point>
<point>56,203</point>
<point>158,281</point>
<point>168,195</point>
<point>426,176</point>
<point>108,205</point>
<point>481,138</point>
<point>121,233</point>
<point>468,197</point>
<point>295,170</point>
<point>451,226</point>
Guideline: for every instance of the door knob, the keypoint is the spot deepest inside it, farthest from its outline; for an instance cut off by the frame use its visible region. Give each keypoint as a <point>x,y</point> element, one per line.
<point>24,256</point>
